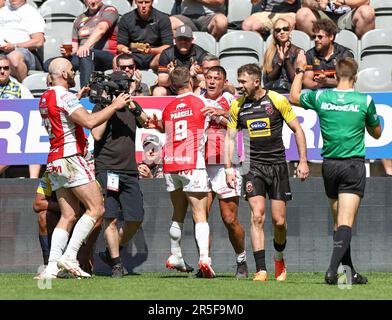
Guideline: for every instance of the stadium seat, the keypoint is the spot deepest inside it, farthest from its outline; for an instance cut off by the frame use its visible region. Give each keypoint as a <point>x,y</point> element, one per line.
<point>32,3</point>
<point>122,6</point>
<point>376,49</point>
<point>149,77</point>
<point>166,6</point>
<point>52,47</point>
<point>238,48</point>
<point>61,30</point>
<point>238,10</point>
<point>349,40</point>
<point>374,79</point>
<point>383,10</point>
<point>36,83</point>
<point>246,43</point>
<point>206,41</point>
<point>298,38</point>
<point>64,10</point>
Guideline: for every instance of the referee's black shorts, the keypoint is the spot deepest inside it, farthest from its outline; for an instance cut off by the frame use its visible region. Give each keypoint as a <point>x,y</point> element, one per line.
<point>267,178</point>
<point>344,176</point>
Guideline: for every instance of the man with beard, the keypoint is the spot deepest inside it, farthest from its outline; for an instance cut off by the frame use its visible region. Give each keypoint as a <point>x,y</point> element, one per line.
<point>68,171</point>
<point>261,113</point>
<point>321,59</point>
<point>219,105</point>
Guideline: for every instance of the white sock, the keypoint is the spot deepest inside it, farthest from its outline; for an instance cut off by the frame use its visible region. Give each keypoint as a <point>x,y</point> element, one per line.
<point>175,233</point>
<point>202,234</point>
<point>80,233</point>
<point>59,242</point>
<point>241,257</point>
<point>278,255</point>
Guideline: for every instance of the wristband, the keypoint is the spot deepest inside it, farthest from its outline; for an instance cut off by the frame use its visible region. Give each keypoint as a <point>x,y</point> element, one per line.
<point>138,109</point>
<point>229,171</point>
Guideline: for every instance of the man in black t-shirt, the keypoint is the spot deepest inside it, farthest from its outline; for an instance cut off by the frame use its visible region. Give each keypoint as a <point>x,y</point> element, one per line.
<point>321,59</point>
<point>182,54</point>
<point>117,172</point>
<point>145,32</point>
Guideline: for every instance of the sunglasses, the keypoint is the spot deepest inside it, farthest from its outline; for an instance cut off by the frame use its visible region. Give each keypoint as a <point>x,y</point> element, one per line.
<point>319,36</point>
<point>130,66</point>
<point>6,68</point>
<point>285,29</point>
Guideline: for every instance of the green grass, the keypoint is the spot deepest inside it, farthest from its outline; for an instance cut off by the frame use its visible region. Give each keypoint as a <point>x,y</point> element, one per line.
<point>171,286</point>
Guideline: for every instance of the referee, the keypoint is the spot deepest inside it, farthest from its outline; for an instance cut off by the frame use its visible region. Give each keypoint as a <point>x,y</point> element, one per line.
<point>344,114</point>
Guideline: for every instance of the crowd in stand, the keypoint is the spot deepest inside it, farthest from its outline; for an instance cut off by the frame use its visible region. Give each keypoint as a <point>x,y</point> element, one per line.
<point>158,42</point>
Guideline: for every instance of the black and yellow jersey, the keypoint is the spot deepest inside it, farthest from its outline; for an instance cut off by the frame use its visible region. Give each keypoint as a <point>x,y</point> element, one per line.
<point>264,120</point>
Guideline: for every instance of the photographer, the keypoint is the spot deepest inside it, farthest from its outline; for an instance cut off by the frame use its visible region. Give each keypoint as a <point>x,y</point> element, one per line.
<point>126,63</point>
<point>116,169</point>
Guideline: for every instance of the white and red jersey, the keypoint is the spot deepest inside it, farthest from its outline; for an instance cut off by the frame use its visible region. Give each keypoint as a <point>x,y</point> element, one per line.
<point>216,131</point>
<point>185,128</point>
<point>66,137</point>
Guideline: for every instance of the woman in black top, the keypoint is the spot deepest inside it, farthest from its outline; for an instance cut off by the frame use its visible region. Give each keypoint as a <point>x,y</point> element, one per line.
<point>279,59</point>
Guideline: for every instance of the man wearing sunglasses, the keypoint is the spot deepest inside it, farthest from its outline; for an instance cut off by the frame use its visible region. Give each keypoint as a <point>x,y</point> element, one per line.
<point>126,63</point>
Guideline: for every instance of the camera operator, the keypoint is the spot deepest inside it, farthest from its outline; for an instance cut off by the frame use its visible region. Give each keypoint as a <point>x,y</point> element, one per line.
<point>126,63</point>
<point>116,170</point>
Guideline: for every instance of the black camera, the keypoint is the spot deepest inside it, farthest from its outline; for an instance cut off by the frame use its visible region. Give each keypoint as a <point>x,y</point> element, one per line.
<point>103,87</point>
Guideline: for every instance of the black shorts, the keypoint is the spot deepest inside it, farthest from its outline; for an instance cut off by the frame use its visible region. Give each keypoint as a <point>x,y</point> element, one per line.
<point>267,178</point>
<point>128,200</point>
<point>344,176</point>
<point>142,60</point>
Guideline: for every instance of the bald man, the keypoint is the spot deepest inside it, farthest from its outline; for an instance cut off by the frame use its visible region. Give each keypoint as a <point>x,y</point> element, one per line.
<point>69,173</point>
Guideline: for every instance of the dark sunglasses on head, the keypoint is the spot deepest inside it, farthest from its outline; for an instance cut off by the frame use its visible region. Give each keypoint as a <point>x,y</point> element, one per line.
<point>6,68</point>
<point>285,29</point>
<point>130,66</point>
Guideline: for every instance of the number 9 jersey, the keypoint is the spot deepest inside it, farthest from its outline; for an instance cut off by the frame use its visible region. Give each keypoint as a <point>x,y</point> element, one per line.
<point>185,128</point>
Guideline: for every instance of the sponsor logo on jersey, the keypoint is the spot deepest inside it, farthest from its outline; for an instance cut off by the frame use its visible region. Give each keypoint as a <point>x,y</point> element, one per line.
<point>181,106</point>
<point>247,105</point>
<point>249,186</point>
<point>84,32</point>
<point>245,113</point>
<point>259,127</point>
<point>346,108</point>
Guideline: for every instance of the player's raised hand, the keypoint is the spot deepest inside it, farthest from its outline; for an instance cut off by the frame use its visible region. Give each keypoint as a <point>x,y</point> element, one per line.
<point>152,122</point>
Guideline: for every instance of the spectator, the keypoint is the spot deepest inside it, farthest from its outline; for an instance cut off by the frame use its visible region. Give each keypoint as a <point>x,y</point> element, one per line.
<point>355,15</point>
<point>202,15</point>
<point>322,58</point>
<point>182,54</point>
<point>151,166</point>
<point>145,32</point>
<point>11,89</point>
<point>21,33</point>
<point>208,62</point>
<point>126,63</point>
<point>94,40</point>
<point>279,59</point>
<point>271,11</point>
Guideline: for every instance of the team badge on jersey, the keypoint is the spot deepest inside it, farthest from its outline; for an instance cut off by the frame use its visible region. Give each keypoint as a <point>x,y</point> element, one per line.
<point>249,186</point>
<point>269,109</point>
<point>259,127</point>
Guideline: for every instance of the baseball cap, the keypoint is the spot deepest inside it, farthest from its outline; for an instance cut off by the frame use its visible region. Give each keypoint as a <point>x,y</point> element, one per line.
<point>184,31</point>
<point>151,139</point>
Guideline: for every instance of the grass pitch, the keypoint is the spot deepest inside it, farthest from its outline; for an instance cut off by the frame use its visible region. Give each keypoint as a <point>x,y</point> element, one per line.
<point>173,286</point>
